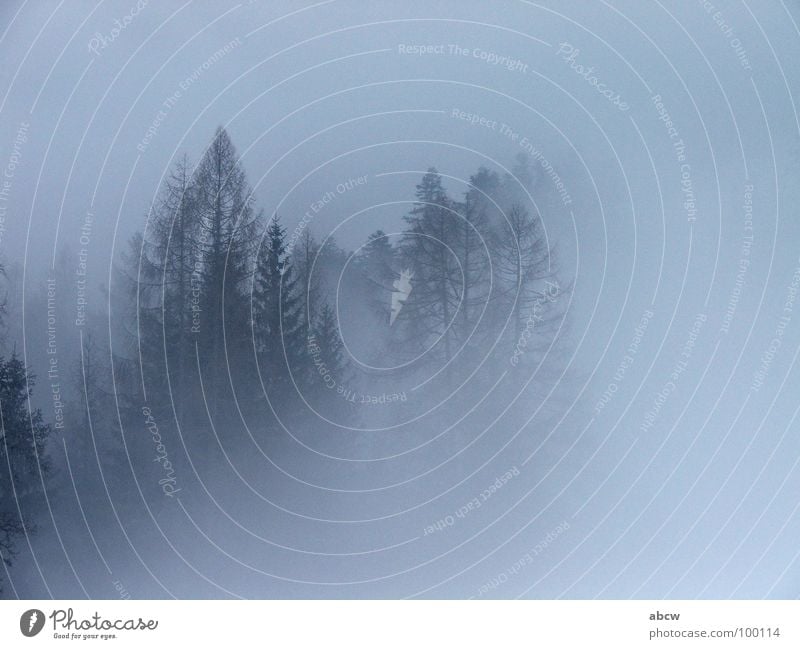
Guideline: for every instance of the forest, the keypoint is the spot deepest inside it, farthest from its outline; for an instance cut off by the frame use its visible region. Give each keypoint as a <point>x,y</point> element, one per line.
<point>228,345</point>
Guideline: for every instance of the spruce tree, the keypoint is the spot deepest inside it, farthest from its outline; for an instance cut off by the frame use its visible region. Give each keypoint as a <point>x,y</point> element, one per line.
<point>427,250</point>
<point>25,466</point>
<point>175,253</point>
<point>330,343</point>
<point>226,240</point>
<point>332,376</point>
<point>277,315</point>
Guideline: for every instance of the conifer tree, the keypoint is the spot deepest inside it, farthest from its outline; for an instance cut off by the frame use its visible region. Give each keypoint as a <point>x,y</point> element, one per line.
<point>329,340</point>
<point>25,466</point>
<point>332,373</point>
<point>226,238</point>
<point>277,316</point>
<point>175,253</point>
<point>427,249</point>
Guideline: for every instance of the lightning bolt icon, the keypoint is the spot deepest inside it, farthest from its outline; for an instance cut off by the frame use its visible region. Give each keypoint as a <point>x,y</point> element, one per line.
<point>32,621</point>
<point>402,289</point>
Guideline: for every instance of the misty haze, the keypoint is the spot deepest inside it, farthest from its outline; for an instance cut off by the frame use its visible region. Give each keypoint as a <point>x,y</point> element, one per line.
<point>443,299</point>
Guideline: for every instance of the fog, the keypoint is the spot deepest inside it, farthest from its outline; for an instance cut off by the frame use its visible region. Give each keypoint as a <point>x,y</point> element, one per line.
<point>399,300</point>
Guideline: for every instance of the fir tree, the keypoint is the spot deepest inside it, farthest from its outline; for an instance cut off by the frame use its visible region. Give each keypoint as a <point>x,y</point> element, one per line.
<point>25,466</point>
<point>330,342</point>
<point>331,370</point>
<point>175,253</point>
<point>277,317</point>
<point>226,239</point>
<point>427,249</point>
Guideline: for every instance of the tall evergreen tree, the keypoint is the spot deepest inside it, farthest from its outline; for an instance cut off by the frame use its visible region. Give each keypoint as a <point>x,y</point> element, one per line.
<point>175,253</point>
<point>327,333</point>
<point>436,290</point>
<point>227,237</point>
<point>277,315</point>
<point>23,435</point>
<point>331,369</point>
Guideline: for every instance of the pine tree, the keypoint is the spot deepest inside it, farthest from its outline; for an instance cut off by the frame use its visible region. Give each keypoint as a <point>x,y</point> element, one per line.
<point>25,466</point>
<point>330,343</point>
<point>277,315</point>
<point>175,254</point>
<point>331,369</point>
<point>427,249</point>
<point>226,241</point>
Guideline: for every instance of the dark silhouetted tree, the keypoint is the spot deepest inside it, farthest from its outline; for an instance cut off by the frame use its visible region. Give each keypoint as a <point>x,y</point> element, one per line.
<point>25,466</point>
<point>277,315</point>
<point>227,239</point>
<point>427,248</point>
